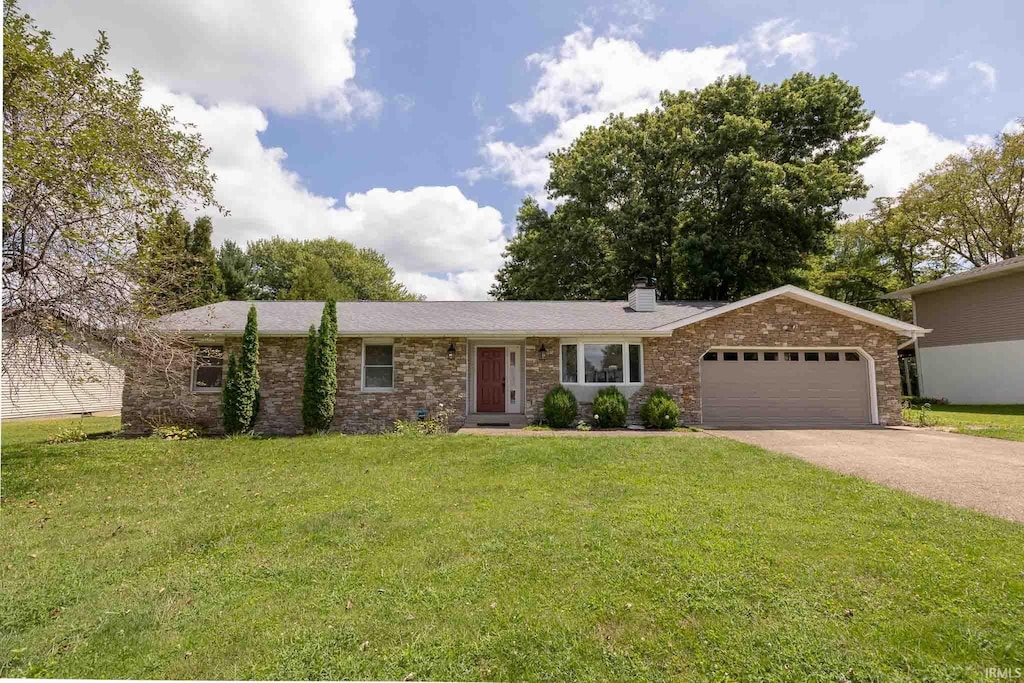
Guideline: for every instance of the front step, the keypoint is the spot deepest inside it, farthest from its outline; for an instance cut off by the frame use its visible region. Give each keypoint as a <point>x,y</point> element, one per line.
<point>514,420</point>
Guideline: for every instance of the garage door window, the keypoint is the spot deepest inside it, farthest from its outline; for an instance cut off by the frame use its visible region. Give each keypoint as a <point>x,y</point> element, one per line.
<point>792,355</point>
<point>711,355</point>
<point>831,356</point>
<point>852,355</point>
<point>730,355</point>
<point>771,355</point>
<point>811,356</point>
<point>750,355</point>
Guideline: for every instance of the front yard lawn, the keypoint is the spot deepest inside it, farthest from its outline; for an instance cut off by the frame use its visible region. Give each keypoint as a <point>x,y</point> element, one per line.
<point>470,557</point>
<point>996,421</point>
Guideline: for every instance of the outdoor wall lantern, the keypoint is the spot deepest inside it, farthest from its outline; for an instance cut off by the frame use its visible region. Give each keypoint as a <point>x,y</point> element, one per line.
<point>542,352</point>
<point>451,351</point>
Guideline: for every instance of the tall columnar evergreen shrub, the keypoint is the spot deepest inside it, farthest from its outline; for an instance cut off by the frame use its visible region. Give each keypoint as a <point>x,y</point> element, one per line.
<point>309,381</point>
<point>320,385</point>
<point>242,389</point>
<point>229,397</point>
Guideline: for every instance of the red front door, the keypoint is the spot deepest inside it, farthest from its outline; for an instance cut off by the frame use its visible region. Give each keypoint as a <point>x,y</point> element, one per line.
<point>490,380</point>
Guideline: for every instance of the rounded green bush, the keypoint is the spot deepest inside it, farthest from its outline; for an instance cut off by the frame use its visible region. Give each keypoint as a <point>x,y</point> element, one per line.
<point>559,407</point>
<point>660,411</point>
<point>610,408</point>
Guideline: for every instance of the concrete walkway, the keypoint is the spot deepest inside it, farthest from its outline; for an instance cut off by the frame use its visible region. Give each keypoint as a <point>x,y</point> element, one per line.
<point>600,433</point>
<point>969,471</point>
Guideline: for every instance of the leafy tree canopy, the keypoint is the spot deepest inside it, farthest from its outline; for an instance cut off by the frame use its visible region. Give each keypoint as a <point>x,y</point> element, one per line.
<point>317,269</point>
<point>177,266</point>
<point>86,165</point>
<point>719,193</point>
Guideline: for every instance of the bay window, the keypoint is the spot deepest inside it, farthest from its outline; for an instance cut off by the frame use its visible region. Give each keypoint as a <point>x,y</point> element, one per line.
<point>602,363</point>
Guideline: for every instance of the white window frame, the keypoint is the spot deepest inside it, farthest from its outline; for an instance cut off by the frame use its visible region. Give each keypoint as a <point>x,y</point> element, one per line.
<point>581,366</point>
<point>362,366</point>
<point>223,367</point>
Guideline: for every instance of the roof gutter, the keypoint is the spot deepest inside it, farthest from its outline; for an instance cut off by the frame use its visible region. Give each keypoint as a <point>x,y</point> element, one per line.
<point>490,334</point>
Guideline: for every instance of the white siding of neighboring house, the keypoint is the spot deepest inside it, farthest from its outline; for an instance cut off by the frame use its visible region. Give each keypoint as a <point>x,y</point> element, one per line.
<point>974,373</point>
<point>44,391</point>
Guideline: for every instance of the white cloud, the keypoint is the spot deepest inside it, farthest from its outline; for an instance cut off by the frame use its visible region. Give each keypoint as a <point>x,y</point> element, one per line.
<point>925,78</point>
<point>441,243</point>
<point>779,38</point>
<point>288,57</point>
<point>1015,127</point>
<point>988,73</point>
<point>910,149</point>
<point>586,79</point>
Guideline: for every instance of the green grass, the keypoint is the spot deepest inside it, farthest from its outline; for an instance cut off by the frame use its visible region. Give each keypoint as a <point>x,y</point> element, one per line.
<point>996,421</point>
<point>468,557</point>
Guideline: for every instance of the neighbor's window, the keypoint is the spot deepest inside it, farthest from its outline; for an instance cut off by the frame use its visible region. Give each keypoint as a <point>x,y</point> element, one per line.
<point>208,368</point>
<point>378,366</point>
<point>569,363</point>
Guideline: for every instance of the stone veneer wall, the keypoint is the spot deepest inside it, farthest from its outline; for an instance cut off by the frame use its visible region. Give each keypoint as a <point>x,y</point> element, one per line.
<point>541,375</point>
<point>672,363</point>
<point>424,379</point>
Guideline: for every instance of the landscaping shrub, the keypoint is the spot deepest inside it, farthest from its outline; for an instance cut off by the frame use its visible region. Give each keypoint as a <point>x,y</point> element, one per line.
<point>918,401</point>
<point>175,433</point>
<point>67,435</point>
<point>610,408</point>
<point>320,386</point>
<point>242,386</point>
<point>559,408</point>
<point>660,411</point>
<point>436,424</point>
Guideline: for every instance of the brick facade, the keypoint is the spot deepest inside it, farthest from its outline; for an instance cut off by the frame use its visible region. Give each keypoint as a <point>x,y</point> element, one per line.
<point>426,378</point>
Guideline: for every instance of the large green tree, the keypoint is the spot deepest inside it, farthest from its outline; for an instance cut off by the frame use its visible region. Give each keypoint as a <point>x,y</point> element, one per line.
<point>85,167</point>
<point>236,270</point>
<point>718,193</point>
<point>321,269</point>
<point>177,266</point>
<point>972,205</point>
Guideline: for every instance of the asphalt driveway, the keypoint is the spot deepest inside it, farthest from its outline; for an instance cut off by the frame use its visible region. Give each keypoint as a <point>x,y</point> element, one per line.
<point>970,471</point>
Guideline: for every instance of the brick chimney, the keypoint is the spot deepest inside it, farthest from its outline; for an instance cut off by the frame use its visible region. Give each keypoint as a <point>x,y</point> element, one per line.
<point>643,297</point>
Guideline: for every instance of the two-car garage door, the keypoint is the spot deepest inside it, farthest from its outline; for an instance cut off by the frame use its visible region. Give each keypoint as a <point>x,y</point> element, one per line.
<point>759,387</point>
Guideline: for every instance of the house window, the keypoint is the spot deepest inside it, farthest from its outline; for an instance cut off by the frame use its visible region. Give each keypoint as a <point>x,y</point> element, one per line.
<point>378,367</point>
<point>604,363</point>
<point>569,364</point>
<point>208,368</point>
<point>750,355</point>
<point>635,364</point>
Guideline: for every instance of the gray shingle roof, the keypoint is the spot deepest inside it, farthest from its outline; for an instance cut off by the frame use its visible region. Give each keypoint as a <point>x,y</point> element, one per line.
<point>366,318</point>
<point>1004,267</point>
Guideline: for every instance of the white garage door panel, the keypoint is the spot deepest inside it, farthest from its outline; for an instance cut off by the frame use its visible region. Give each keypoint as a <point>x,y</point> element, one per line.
<point>753,393</point>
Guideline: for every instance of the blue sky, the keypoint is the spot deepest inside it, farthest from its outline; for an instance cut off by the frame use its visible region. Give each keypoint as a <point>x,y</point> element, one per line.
<point>417,127</point>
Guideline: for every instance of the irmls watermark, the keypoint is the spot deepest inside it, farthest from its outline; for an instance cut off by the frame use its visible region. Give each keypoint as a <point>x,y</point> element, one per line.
<point>1004,673</point>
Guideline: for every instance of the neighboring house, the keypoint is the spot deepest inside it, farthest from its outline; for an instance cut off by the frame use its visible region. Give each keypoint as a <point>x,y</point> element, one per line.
<point>44,385</point>
<point>784,357</point>
<point>974,351</point>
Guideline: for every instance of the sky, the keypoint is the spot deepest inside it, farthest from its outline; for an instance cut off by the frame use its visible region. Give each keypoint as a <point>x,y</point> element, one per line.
<point>418,127</point>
